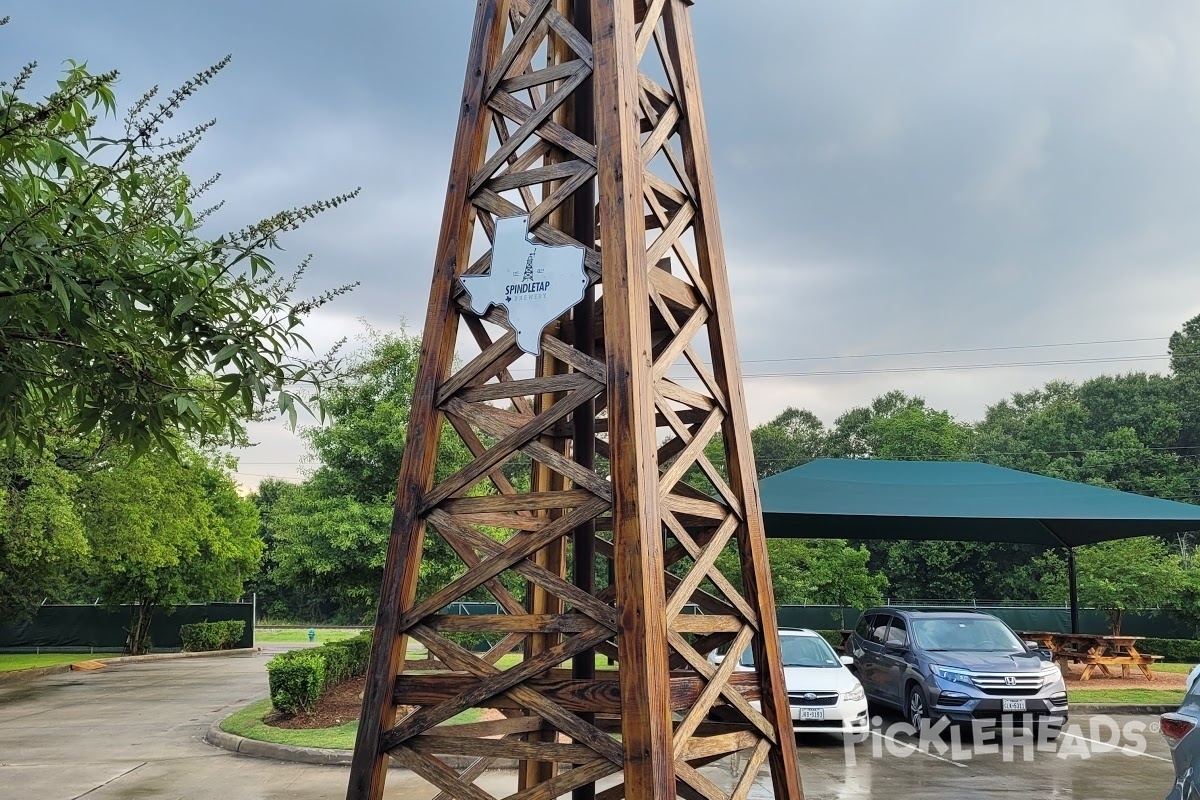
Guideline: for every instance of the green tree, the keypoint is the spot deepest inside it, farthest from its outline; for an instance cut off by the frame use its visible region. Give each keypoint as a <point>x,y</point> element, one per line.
<point>816,572</point>
<point>42,538</point>
<point>853,435</point>
<point>1116,576</point>
<point>331,534</point>
<point>117,315</point>
<point>917,433</point>
<point>164,531</point>
<point>793,438</point>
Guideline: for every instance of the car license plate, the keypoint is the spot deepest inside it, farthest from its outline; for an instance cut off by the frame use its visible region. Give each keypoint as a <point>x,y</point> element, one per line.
<point>816,714</point>
<point>1014,705</point>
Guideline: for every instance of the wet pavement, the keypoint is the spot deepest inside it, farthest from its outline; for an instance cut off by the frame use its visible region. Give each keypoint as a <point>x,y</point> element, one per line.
<point>136,731</point>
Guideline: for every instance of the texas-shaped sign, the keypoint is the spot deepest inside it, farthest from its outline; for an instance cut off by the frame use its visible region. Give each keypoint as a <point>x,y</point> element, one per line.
<point>535,283</point>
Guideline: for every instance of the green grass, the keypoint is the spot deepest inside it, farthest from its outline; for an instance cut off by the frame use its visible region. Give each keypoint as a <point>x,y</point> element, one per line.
<point>10,662</point>
<point>1182,669</point>
<point>249,723</point>
<point>1139,696</point>
<point>296,635</point>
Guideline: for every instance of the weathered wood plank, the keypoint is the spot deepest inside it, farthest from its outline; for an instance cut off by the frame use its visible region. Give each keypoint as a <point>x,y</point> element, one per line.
<point>511,623</point>
<point>550,131</point>
<point>601,695</point>
<point>526,128</point>
<point>440,775</point>
<point>504,449</point>
<point>529,177</point>
<point>520,546</point>
<point>538,77</point>
<point>502,748</point>
<point>569,498</point>
<point>519,41</point>
<point>525,387</point>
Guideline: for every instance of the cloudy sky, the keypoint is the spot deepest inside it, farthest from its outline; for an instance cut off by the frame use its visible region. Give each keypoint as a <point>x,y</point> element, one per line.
<point>987,177</point>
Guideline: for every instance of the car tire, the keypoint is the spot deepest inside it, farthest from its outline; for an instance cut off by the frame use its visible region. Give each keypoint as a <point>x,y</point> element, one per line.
<point>916,707</point>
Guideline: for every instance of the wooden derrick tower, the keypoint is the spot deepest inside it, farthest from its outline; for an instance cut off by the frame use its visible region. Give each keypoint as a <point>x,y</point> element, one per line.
<point>592,482</point>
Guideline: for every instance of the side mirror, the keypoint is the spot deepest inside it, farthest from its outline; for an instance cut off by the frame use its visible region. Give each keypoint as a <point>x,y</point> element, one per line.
<point>847,661</point>
<point>1032,645</point>
<point>715,658</point>
<point>894,648</point>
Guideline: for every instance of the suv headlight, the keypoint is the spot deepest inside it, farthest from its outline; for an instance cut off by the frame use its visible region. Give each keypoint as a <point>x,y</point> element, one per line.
<point>952,675</point>
<point>854,694</point>
<point>1051,673</point>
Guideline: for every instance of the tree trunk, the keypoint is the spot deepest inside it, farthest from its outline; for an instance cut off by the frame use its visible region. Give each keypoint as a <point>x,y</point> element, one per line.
<point>1114,620</point>
<point>139,629</point>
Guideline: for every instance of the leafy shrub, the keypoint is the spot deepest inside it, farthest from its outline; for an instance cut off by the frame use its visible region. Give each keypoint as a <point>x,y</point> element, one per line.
<point>201,636</point>
<point>1182,651</point>
<point>298,677</point>
<point>834,638</point>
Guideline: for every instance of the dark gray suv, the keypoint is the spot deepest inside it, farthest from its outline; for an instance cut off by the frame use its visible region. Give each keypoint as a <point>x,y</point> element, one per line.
<point>957,664</point>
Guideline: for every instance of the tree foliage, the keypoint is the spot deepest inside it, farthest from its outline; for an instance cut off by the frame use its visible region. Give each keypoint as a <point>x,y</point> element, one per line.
<point>164,531</point>
<point>118,315</point>
<point>42,540</point>
<point>331,533</point>
<point>1116,576</point>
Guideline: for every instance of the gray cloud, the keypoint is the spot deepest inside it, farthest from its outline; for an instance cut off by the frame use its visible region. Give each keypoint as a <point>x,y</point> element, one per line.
<point>893,176</point>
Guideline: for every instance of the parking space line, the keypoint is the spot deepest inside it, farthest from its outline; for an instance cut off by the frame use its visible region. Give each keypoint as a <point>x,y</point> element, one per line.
<point>917,749</point>
<point>1126,750</point>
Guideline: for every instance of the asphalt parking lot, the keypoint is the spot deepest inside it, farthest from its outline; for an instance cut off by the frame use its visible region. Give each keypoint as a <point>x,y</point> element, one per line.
<point>135,732</point>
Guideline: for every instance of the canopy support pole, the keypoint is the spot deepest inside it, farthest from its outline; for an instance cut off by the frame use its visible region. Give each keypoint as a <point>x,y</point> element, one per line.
<point>1074,589</point>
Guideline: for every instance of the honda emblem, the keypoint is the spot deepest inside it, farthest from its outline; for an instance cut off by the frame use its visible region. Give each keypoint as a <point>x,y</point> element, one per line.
<point>1009,680</point>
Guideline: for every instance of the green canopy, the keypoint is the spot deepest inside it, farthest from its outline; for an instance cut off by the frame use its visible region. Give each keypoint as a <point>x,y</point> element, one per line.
<point>959,501</point>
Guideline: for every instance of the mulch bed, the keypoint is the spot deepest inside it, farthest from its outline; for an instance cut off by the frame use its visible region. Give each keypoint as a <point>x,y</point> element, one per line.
<point>338,705</point>
<point>1136,680</point>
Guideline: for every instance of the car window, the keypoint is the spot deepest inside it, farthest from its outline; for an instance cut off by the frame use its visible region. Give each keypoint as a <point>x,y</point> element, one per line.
<point>807,651</point>
<point>879,626</point>
<point>980,634</point>
<point>863,628</point>
<point>898,633</point>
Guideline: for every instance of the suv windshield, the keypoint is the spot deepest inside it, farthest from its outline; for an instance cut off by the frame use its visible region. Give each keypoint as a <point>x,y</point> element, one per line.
<point>982,635</point>
<point>800,651</point>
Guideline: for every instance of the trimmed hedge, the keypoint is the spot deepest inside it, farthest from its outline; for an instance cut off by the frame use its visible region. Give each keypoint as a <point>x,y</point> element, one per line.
<point>298,677</point>
<point>1178,651</point>
<point>200,636</point>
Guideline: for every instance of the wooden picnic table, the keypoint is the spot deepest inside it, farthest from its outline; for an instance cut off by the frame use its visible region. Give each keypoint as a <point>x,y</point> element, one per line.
<point>1095,652</point>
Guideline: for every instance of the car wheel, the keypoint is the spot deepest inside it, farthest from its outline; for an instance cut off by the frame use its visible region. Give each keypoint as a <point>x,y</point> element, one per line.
<point>917,708</point>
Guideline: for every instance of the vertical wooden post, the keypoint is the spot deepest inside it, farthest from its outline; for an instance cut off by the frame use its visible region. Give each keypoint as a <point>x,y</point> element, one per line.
<point>637,529</point>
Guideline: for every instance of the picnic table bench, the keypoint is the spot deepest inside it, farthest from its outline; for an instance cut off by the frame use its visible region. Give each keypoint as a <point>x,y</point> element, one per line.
<point>1095,652</point>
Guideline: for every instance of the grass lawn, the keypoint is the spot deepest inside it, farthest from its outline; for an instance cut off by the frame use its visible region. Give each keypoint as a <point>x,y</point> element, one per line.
<point>1142,696</point>
<point>296,635</point>
<point>1182,669</point>
<point>10,662</point>
<point>249,723</point>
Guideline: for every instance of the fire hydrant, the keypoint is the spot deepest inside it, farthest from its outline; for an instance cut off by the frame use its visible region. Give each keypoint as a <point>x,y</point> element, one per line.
<point>312,634</point>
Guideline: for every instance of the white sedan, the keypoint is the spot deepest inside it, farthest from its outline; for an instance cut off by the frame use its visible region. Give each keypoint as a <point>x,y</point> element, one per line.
<point>824,696</point>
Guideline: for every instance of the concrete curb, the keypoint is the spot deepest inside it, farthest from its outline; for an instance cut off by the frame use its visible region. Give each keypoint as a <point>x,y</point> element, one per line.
<point>1117,709</point>
<point>38,672</point>
<point>317,755</point>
